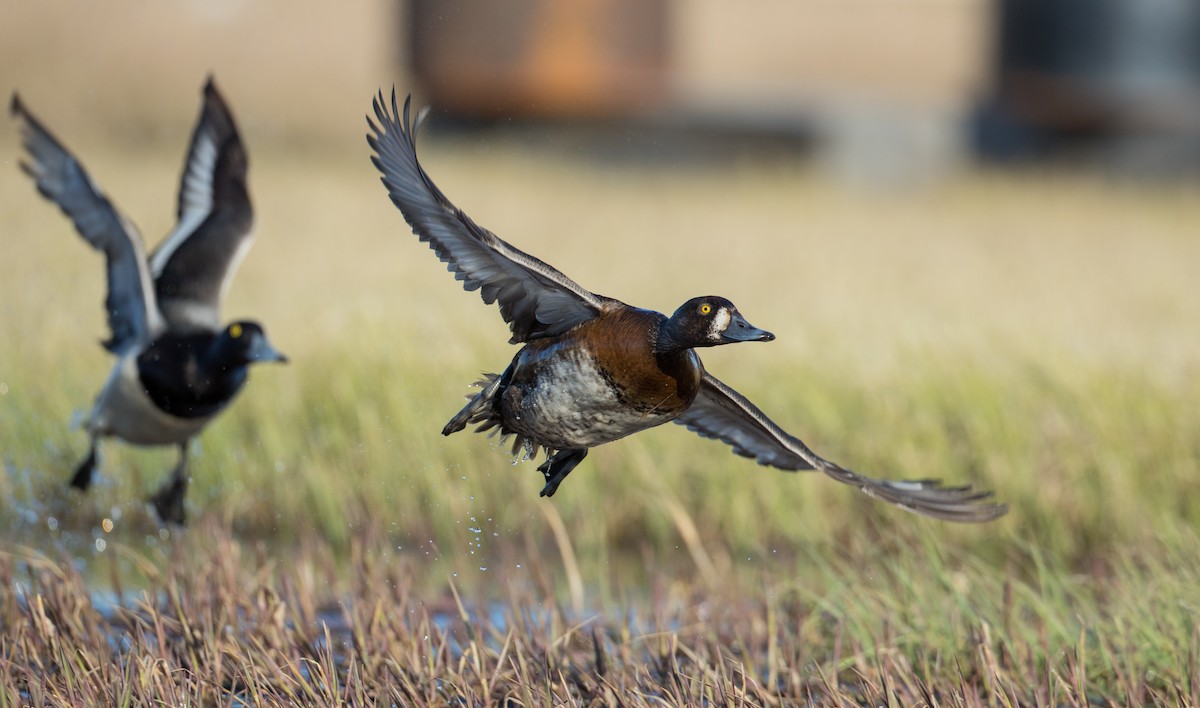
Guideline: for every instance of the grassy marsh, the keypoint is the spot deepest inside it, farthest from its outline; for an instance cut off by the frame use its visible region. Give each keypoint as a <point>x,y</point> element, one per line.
<point>1032,334</point>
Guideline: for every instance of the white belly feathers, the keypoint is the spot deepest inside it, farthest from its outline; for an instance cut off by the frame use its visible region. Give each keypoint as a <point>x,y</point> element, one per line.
<point>574,406</point>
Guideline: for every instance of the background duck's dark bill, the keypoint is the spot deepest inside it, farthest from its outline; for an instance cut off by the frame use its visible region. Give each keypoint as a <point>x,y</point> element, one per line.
<point>740,330</point>
<point>262,350</point>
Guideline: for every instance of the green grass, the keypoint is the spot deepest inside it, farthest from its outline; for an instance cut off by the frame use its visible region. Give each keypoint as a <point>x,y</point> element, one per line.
<point>1031,334</point>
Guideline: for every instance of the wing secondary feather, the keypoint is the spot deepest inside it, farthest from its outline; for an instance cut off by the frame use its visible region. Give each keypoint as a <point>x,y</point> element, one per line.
<point>195,263</point>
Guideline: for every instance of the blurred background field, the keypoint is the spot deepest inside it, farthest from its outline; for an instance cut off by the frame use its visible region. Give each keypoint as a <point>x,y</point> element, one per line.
<point>1029,328</point>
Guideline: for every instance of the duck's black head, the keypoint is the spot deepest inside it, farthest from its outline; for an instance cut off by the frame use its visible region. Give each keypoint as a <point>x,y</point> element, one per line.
<point>242,343</point>
<point>707,322</point>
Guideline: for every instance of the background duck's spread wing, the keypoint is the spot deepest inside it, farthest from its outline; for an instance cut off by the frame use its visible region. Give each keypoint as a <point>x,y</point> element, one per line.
<point>722,413</point>
<point>195,263</point>
<point>536,300</point>
<point>132,314</point>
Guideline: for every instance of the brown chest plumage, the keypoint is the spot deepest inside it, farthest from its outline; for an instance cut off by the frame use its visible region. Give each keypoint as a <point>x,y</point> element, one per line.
<point>598,382</point>
<point>621,345</point>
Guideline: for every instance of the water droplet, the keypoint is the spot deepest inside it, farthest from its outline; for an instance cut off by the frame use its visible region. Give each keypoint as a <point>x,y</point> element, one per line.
<point>52,523</point>
<point>483,568</point>
<point>101,545</point>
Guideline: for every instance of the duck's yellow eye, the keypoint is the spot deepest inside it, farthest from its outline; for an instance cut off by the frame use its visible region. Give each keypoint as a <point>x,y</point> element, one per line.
<point>235,331</point>
<point>705,309</point>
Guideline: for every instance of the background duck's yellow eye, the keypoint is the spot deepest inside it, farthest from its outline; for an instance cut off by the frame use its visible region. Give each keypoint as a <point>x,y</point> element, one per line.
<point>235,331</point>
<point>705,308</point>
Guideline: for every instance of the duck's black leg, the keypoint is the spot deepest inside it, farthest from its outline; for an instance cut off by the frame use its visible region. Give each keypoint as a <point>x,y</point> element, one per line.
<point>558,467</point>
<point>82,479</point>
<point>168,500</point>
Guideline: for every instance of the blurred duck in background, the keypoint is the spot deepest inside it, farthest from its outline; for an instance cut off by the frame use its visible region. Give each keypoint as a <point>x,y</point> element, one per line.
<point>177,366</point>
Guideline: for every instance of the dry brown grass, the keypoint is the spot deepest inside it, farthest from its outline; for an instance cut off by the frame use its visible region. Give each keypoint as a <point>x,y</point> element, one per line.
<point>220,621</point>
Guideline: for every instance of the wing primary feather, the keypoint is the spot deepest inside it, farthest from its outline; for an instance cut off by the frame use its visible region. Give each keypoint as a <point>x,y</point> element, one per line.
<point>724,414</point>
<point>133,315</point>
<point>534,298</point>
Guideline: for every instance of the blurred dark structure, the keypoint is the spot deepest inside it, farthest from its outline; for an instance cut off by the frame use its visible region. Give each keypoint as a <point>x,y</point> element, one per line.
<point>539,58</point>
<point>1115,82</point>
<point>873,88</point>
<point>880,91</point>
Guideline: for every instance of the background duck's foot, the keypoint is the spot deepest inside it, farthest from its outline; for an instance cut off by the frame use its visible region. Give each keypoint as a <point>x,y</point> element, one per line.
<point>168,500</point>
<point>82,479</point>
<point>558,467</point>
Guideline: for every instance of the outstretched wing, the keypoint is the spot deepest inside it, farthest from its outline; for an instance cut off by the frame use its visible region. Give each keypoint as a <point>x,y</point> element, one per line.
<point>722,413</point>
<point>195,263</point>
<point>132,314</point>
<point>536,300</point>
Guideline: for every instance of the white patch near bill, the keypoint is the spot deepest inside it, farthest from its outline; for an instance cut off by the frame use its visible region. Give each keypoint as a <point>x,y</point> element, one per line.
<point>719,324</point>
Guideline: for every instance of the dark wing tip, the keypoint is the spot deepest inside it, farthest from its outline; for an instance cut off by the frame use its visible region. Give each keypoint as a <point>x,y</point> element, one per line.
<point>210,90</point>
<point>965,514</point>
<point>925,497</point>
<point>213,98</point>
<point>395,117</point>
<point>379,108</point>
<point>972,510</point>
<point>929,498</point>
<point>988,512</point>
<point>14,107</point>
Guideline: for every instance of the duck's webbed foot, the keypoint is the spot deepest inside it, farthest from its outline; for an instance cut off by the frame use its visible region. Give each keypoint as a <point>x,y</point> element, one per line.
<point>82,479</point>
<point>168,500</point>
<point>558,467</point>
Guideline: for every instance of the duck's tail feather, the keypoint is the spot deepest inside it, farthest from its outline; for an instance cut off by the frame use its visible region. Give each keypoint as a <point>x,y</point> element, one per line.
<point>478,409</point>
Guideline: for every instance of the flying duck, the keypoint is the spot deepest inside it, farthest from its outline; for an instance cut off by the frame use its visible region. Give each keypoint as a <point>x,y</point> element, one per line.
<point>177,366</point>
<point>594,369</point>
